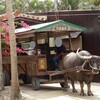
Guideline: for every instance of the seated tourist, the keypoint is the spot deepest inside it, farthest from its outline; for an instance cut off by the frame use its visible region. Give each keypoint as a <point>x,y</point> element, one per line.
<point>20,50</point>
<point>31,51</point>
<point>58,56</point>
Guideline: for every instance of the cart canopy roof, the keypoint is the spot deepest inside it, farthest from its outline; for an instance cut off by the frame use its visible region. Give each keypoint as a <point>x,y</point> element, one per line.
<point>53,27</point>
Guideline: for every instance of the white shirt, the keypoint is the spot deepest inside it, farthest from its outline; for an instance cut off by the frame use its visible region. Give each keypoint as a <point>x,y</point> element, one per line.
<point>30,52</point>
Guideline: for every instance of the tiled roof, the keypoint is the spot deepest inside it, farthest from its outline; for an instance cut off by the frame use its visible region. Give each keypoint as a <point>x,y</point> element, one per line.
<point>41,18</point>
<point>17,14</point>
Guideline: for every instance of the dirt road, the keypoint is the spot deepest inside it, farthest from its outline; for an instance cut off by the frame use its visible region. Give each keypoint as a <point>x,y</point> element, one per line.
<point>54,92</point>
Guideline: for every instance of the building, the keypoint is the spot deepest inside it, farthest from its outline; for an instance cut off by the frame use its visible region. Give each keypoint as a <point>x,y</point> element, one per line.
<point>89,19</point>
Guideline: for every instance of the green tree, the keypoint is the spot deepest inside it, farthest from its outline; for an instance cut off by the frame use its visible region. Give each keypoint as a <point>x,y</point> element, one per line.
<point>2,6</point>
<point>48,5</point>
<point>89,4</point>
<point>95,2</point>
<point>41,6</point>
<point>68,4</point>
<point>73,4</point>
<point>29,6</point>
<point>21,5</point>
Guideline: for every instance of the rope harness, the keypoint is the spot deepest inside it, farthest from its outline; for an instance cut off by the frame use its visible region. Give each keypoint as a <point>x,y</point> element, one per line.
<point>79,68</point>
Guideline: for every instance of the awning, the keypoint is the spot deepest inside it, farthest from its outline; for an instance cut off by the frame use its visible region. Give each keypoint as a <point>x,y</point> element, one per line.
<point>55,26</point>
<point>58,25</point>
<point>52,26</point>
<point>75,34</point>
<point>72,35</point>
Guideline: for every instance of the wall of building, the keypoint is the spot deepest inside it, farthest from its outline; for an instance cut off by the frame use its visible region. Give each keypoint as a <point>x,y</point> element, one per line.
<point>89,19</point>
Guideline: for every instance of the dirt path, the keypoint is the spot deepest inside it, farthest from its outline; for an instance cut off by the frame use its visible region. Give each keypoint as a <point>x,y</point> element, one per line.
<point>54,92</point>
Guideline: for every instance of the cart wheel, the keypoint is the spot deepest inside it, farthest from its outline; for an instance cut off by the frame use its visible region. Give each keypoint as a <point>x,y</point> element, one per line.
<point>27,79</point>
<point>62,85</point>
<point>4,79</point>
<point>7,79</point>
<point>35,83</point>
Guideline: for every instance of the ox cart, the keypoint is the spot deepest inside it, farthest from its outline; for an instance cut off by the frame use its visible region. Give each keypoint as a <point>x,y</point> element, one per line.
<point>37,69</point>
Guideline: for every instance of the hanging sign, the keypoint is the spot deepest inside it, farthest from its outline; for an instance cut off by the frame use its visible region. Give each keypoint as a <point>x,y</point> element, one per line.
<point>58,42</point>
<point>32,44</point>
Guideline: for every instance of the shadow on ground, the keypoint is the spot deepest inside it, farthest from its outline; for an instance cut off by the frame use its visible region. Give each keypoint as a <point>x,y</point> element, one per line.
<point>55,92</point>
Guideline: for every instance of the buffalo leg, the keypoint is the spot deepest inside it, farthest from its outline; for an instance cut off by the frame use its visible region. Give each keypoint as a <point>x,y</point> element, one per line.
<point>82,90</point>
<point>89,93</point>
<point>74,90</point>
<point>66,86</point>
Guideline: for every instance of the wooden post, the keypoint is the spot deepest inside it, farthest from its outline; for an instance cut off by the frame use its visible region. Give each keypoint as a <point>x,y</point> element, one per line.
<point>70,44</point>
<point>48,50</point>
<point>36,41</point>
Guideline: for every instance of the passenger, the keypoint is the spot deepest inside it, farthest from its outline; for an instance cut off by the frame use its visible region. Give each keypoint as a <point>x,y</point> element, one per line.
<point>58,56</point>
<point>31,51</point>
<point>20,50</point>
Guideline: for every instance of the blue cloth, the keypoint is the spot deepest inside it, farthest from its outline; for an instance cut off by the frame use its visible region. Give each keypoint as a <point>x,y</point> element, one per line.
<point>58,57</point>
<point>56,61</point>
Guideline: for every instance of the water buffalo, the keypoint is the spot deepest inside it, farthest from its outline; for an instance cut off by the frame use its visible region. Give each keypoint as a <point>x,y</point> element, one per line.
<point>81,67</point>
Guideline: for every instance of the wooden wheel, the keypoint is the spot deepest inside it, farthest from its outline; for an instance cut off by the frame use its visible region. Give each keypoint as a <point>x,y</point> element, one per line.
<point>6,79</point>
<point>35,83</point>
<point>26,79</point>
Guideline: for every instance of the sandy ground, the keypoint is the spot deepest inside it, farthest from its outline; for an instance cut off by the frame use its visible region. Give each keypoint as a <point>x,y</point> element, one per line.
<point>53,92</point>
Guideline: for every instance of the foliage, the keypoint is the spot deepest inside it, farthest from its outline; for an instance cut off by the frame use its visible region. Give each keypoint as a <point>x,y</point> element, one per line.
<point>21,5</point>
<point>68,4</point>
<point>36,6</point>
<point>40,6</point>
<point>33,5</point>
<point>4,32</point>
<point>73,3</point>
<point>89,4</point>
<point>2,6</point>
<point>95,2</point>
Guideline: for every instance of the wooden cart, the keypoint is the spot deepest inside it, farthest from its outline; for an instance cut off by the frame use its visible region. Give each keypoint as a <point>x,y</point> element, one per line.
<point>36,69</point>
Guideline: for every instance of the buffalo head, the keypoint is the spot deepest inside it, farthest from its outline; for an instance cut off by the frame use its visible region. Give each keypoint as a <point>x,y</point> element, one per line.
<point>95,64</point>
<point>93,61</point>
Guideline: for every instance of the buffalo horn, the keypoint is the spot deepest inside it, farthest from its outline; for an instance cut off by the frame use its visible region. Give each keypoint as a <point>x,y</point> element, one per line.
<point>82,57</point>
